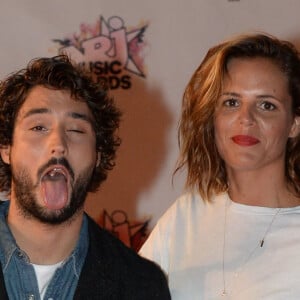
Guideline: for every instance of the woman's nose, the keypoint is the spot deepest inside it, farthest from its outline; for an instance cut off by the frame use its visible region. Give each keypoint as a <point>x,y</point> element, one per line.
<point>246,116</point>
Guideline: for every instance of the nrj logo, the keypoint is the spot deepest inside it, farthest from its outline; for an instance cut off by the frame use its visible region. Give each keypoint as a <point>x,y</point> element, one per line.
<point>110,50</point>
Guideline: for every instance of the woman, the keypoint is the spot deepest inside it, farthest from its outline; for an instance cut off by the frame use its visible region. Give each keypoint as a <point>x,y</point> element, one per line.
<point>235,233</point>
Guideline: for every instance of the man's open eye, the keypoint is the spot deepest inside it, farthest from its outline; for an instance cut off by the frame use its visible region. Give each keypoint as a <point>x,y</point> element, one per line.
<point>38,128</point>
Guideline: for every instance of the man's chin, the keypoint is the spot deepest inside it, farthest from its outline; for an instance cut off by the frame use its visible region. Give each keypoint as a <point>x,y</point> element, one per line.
<point>51,216</point>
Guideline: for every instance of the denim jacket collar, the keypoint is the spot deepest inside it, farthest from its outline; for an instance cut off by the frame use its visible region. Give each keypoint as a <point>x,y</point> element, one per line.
<point>8,244</point>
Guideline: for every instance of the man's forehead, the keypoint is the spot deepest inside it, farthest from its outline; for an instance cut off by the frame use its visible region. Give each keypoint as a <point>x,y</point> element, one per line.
<point>42,100</point>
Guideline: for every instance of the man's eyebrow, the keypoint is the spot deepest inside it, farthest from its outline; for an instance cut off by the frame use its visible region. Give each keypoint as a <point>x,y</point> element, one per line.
<point>36,111</point>
<point>74,115</point>
<point>84,117</point>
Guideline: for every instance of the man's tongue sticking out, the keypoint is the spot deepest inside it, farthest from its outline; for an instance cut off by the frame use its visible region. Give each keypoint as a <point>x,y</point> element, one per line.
<point>55,189</point>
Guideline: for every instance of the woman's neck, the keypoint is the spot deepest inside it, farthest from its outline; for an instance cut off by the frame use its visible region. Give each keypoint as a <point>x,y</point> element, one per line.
<point>257,188</point>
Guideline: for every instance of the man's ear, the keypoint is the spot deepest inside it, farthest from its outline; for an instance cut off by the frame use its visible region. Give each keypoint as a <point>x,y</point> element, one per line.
<point>295,129</point>
<point>98,159</point>
<point>5,154</point>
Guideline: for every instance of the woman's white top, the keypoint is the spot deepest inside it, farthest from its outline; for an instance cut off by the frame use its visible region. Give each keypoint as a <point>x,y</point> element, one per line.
<point>206,247</point>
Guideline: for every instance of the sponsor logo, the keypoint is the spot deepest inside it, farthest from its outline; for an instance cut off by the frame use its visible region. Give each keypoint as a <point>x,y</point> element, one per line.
<point>110,50</point>
<point>132,233</point>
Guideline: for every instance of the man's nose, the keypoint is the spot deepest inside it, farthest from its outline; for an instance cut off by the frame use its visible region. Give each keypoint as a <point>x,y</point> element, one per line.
<point>58,143</point>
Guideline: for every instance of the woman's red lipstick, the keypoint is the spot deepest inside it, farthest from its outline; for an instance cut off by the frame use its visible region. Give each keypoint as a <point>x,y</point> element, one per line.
<point>245,140</point>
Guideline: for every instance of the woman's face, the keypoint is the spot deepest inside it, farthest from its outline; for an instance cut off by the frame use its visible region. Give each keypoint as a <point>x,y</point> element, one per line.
<point>253,116</point>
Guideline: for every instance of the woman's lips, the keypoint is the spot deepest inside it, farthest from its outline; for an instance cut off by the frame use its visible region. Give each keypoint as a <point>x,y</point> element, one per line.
<point>245,140</point>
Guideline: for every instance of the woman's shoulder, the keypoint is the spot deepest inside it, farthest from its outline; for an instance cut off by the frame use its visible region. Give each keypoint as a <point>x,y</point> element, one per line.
<point>188,205</point>
<point>193,201</point>
<point>187,201</point>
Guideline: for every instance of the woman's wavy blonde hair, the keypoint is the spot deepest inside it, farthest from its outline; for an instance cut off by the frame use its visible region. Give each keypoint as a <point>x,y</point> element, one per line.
<point>198,152</point>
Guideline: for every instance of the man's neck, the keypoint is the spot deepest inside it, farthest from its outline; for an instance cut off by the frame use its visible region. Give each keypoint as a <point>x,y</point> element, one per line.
<point>44,243</point>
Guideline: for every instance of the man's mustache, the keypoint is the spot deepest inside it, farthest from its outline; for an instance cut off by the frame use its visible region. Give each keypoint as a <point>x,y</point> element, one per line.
<point>56,161</point>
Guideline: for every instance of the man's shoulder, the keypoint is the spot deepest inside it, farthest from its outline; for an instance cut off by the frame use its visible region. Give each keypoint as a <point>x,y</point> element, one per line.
<point>106,244</point>
<point>112,267</point>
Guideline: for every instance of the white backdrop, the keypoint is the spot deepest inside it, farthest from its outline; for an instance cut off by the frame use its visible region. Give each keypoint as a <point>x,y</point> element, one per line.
<point>177,36</point>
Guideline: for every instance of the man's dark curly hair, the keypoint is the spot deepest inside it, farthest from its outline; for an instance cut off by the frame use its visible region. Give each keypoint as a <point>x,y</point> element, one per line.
<point>60,73</point>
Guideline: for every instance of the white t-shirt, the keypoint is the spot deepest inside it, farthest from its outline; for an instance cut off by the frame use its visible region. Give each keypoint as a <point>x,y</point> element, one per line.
<point>188,243</point>
<point>44,274</point>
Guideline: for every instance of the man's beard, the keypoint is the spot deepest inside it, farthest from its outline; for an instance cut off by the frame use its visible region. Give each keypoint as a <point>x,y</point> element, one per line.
<point>26,201</point>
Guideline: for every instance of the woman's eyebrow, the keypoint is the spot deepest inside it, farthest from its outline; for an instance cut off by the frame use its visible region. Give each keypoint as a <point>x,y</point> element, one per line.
<point>232,94</point>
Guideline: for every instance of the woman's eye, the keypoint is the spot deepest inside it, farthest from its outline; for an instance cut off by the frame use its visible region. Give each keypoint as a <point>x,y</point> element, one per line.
<point>231,103</point>
<point>267,106</point>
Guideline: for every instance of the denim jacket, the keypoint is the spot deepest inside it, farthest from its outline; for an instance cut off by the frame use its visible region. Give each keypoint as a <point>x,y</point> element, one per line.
<point>19,274</point>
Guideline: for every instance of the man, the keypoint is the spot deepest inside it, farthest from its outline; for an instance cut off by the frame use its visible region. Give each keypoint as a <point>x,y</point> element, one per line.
<point>58,141</point>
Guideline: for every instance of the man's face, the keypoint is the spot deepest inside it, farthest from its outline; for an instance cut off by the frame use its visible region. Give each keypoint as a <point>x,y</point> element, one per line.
<point>52,156</point>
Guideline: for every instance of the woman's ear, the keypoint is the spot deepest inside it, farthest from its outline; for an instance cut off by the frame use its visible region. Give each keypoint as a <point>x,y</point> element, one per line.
<point>295,129</point>
<point>5,154</point>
